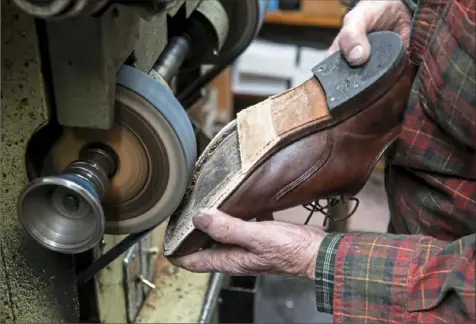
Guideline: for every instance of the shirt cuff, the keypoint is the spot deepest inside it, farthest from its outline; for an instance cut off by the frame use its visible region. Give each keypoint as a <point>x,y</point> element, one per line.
<point>325,269</point>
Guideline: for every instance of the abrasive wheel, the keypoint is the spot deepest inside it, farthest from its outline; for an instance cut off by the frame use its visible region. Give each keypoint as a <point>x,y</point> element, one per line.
<point>156,148</point>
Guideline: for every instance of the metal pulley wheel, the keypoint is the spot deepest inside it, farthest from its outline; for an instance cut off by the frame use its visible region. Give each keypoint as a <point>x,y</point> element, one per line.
<point>245,18</point>
<point>155,148</point>
<point>59,9</point>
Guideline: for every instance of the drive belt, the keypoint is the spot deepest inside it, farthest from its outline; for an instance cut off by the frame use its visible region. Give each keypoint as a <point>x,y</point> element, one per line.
<point>103,261</point>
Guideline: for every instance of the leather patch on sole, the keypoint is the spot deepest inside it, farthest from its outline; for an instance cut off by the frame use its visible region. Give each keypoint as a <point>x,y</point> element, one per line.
<point>255,132</point>
<point>298,107</point>
<point>263,125</point>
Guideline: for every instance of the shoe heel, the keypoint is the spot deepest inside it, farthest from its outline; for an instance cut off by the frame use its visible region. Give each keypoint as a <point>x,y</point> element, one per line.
<point>345,85</point>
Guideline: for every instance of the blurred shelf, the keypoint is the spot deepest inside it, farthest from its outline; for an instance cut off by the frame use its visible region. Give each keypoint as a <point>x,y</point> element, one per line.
<point>298,18</point>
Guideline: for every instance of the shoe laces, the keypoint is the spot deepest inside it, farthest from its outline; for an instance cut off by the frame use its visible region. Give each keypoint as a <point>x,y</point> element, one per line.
<point>324,209</point>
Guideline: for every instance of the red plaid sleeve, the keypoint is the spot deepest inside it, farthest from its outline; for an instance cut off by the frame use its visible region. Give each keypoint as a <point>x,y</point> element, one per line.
<point>431,188</point>
<point>404,279</point>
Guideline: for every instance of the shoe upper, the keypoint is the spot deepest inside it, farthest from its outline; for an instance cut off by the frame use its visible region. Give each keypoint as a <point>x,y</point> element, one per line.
<point>334,161</point>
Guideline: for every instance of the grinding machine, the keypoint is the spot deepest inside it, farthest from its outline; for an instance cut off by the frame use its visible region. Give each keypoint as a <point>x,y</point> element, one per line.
<point>97,150</point>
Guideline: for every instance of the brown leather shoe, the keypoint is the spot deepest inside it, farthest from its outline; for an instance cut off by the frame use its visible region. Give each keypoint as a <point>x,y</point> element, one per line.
<point>320,139</point>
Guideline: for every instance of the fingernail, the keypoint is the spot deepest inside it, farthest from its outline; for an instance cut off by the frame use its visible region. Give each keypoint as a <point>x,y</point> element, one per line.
<point>201,220</point>
<point>355,53</point>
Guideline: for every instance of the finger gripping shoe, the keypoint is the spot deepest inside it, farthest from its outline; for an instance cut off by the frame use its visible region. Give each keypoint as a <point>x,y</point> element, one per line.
<point>317,140</point>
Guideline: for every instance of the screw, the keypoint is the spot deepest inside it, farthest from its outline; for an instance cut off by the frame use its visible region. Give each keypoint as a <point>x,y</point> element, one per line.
<point>71,203</point>
<point>153,250</point>
<point>146,282</point>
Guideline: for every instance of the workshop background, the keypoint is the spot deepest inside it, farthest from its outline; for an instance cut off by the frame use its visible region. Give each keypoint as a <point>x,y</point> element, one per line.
<point>298,34</point>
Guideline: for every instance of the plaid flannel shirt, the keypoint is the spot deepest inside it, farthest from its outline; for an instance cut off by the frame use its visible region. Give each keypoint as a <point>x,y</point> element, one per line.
<point>426,274</point>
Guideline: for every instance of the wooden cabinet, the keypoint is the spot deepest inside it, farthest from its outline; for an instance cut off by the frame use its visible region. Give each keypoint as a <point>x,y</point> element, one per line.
<point>323,8</point>
<point>222,85</point>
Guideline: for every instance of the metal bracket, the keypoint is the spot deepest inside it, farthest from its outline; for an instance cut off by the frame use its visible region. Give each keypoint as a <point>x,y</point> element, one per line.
<point>85,55</point>
<point>152,41</point>
<point>139,270</point>
<point>149,254</point>
<point>132,286</point>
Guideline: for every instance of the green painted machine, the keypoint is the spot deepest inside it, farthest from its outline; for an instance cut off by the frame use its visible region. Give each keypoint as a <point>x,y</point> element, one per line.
<point>97,150</point>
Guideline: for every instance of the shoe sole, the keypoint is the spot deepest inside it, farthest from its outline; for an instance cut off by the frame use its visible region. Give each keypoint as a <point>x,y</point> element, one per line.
<point>344,86</point>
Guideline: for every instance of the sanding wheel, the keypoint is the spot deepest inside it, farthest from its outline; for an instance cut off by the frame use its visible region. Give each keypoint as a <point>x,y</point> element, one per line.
<point>156,152</point>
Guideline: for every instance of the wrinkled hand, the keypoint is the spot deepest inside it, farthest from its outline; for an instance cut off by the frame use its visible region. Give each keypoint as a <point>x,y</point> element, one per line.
<point>252,248</point>
<point>366,17</point>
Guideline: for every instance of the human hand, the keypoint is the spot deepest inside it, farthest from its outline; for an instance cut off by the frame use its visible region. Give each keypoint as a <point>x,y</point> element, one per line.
<point>366,17</point>
<point>253,248</point>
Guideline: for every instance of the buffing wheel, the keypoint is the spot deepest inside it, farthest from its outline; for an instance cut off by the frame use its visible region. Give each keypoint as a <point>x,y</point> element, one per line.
<point>156,148</point>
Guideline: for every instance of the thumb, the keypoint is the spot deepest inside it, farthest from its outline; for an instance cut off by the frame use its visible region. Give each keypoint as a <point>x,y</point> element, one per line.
<point>226,229</point>
<point>353,41</point>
